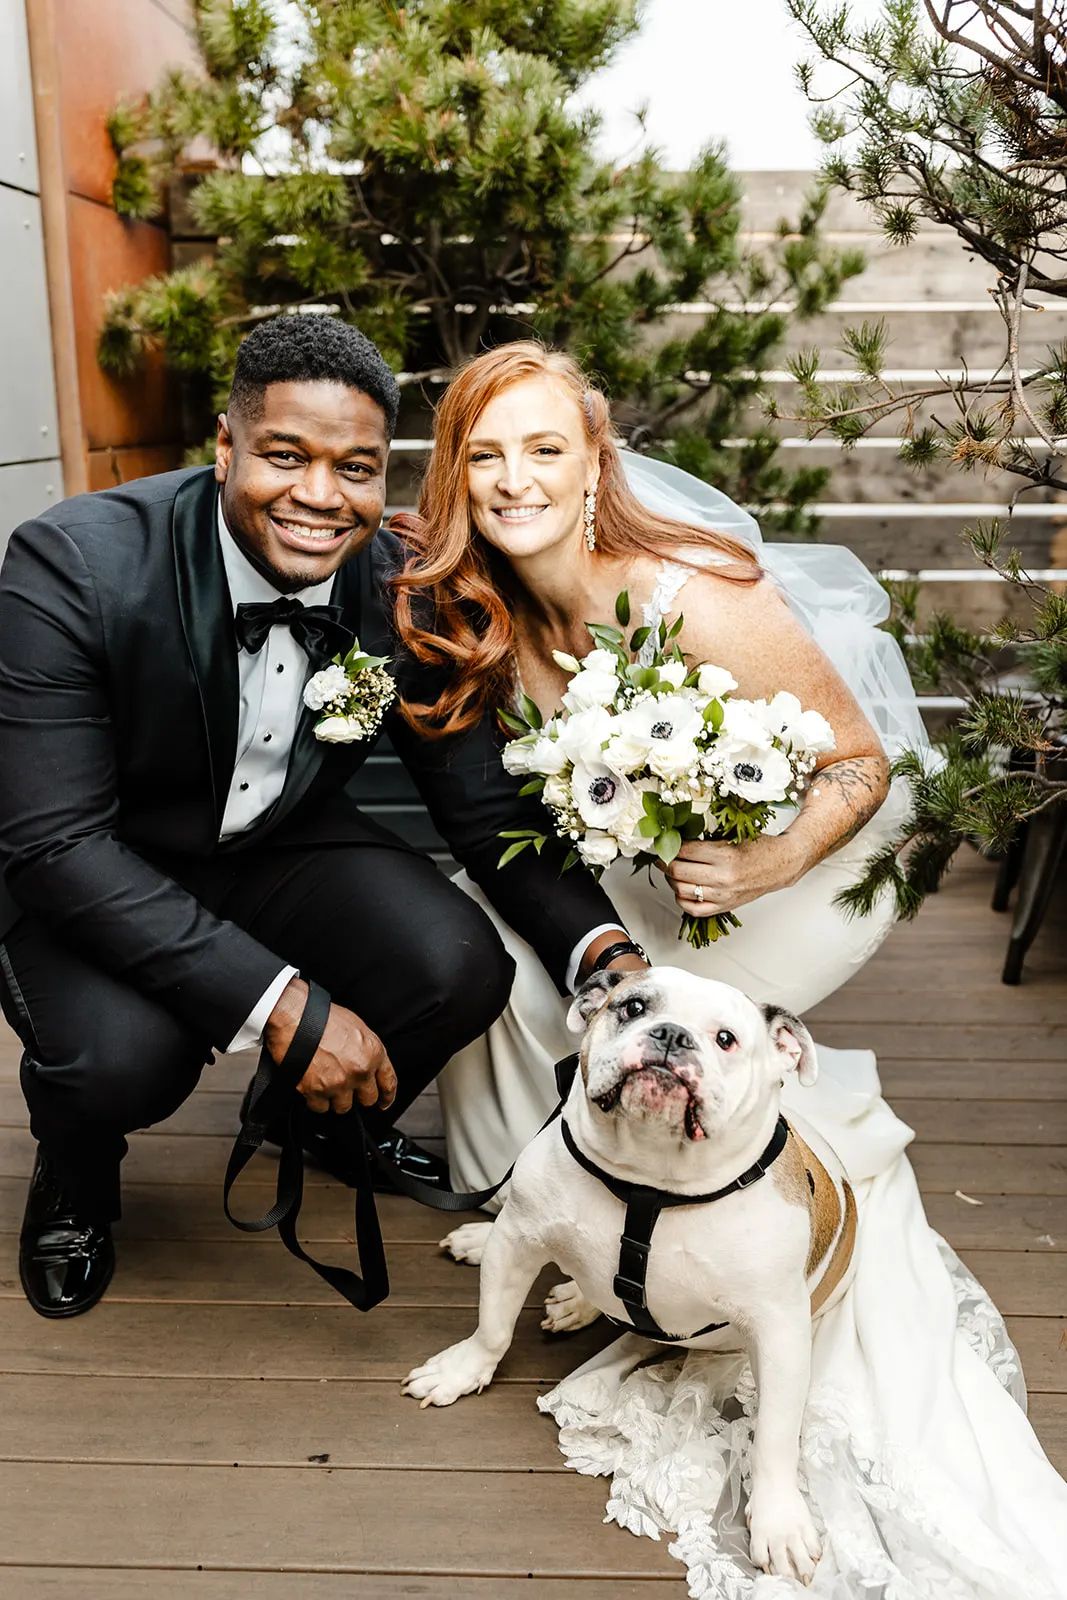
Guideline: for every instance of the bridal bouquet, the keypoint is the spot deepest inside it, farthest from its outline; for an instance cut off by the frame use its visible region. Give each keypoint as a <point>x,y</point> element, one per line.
<point>645,757</point>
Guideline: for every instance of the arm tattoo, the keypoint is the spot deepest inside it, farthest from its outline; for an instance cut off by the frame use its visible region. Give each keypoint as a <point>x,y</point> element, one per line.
<point>861,785</point>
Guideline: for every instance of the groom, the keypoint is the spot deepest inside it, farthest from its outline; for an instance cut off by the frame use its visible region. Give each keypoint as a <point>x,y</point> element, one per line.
<point>178,850</point>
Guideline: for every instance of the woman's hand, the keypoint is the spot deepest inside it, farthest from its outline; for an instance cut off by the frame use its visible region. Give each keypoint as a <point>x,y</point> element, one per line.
<point>731,875</point>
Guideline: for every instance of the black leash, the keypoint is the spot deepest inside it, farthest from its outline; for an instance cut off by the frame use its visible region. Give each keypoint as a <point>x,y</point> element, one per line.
<point>274,1104</point>
<point>643,1207</point>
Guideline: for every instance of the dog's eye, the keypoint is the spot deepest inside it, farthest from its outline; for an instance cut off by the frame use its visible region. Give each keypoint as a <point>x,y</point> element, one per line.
<point>725,1039</point>
<point>634,1008</point>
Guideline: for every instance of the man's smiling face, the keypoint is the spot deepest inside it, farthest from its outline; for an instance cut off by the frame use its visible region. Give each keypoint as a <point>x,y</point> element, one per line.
<point>303,482</point>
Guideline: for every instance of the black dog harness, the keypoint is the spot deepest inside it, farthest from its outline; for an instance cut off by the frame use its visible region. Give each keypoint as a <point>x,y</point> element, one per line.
<point>643,1207</point>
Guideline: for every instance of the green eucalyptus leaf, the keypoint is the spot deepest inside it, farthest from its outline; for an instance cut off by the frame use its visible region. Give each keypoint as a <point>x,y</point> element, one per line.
<point>534,786</point>
<point>677,626</point>
<point>511,852</point>
<point>622,608</point>
<point>571,859</point>
<point>648,827</point>
<point>638,637</point>
<point>510,720</point>
<point>650,802</point>
<point>531,711</point>
<point>668,845</point>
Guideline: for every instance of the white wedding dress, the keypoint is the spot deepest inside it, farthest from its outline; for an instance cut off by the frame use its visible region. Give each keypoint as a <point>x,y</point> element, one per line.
<point>917,1459</point>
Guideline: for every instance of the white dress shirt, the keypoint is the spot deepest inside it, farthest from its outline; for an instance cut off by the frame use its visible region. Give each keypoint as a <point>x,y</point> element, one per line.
<point>271,696</point>
<point>271,685</point>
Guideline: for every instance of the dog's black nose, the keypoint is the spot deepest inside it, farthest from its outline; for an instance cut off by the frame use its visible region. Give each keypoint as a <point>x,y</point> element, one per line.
<point>672,1037</point>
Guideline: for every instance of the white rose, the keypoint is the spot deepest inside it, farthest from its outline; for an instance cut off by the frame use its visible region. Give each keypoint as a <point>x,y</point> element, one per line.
<point>547,757</point>
<point>603,798</point>
<point>816,734</point>
<point>330,684</point>
<point>516,757</point>
<point>715,681</point>
<point>340,730</point>
<point>672,758</point>
<point>556,792</point>
<point>585,733</point>
<point>598,849</point>
<point>674,673</point>
<point>745,723</point>
<point>593,686</point>
<point>624,753</point>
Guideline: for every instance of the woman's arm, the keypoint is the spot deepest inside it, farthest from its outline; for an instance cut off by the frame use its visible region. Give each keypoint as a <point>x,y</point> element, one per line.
<point>752,633</point>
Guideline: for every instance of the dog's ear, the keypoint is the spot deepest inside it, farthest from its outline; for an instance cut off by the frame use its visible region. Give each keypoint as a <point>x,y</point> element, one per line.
<point>590,997</point>
<point>793,1042</point>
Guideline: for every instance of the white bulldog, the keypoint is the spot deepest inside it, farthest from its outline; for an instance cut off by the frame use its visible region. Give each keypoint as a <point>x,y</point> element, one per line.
<point>678,1090</point>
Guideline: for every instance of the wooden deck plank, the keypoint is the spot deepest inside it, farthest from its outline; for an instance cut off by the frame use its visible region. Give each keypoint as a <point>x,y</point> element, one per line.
<point>112,1583</point>
<point>984,1169</point>
<point>350,1521</point>
<point>265,1341</point>
<point>1002,1222</point>
<point>208,1422</point>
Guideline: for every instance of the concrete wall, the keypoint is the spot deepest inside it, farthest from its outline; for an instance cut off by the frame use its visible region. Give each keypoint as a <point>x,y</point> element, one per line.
<point>31,475</point>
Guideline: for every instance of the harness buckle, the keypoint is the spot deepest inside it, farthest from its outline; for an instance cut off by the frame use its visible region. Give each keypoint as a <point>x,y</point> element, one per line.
<point>629,1291</point>
<point>753,1175</point>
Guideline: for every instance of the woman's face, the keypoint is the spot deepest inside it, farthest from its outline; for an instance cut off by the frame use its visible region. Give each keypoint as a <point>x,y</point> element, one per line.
<point>529,466</point>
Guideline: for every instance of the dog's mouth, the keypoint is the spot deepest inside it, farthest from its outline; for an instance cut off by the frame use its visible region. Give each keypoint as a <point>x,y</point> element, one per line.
<point>691,1120</point>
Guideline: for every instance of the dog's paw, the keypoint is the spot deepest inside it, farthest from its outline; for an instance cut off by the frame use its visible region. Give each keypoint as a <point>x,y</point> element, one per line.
<point>567,1309</point>
<point>467,1242</point>
<point>461,1369</point>
<point>784,1540</point>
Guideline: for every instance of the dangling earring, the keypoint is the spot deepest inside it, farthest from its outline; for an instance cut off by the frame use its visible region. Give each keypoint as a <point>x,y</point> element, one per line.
<point>590,519</point>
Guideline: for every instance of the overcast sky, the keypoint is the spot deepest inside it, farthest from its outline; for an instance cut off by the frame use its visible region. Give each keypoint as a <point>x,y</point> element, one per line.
<point>714,69</point>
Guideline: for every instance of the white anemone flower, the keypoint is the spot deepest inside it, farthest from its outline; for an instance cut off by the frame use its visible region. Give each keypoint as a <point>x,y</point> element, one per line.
<point>743,724</point>
<point>667,728</point>
<point>604,798</point>
<point>753,772</point>
<point>799,729</point>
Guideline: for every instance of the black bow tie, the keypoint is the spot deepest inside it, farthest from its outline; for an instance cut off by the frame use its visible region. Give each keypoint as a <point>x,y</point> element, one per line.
<point>317,629</point>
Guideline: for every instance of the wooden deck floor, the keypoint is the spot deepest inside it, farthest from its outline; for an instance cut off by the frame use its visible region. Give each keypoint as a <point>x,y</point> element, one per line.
<point>222,1427</point>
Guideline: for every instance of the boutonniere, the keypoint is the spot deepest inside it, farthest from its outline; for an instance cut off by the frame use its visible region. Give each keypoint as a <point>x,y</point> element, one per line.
<point>354,694</point>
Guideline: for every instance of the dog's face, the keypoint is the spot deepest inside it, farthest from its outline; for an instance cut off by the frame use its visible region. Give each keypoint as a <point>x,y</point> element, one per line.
<point>683,1053</point>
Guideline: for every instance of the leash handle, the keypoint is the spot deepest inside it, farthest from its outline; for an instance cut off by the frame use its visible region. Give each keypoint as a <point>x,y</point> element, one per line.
<point>273,1103</point>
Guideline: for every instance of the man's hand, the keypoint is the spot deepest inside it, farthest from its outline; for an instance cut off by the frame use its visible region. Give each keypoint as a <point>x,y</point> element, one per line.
<point>350,1064</point>
<point>732,875</point>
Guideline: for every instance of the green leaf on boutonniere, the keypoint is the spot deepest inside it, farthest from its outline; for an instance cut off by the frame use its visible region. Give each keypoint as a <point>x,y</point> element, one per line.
<point>534,786</point>
<point>622,608</point>
<point>638,637</point>
<point>516,724</point>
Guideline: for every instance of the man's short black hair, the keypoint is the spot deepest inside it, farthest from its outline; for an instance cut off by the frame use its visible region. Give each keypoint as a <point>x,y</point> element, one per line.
<point>311,349</point>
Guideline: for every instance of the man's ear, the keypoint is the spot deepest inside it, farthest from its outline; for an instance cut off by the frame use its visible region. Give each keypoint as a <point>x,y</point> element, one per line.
<point>793,1043</point>
<point>223,447</point>
<point>590,997</point>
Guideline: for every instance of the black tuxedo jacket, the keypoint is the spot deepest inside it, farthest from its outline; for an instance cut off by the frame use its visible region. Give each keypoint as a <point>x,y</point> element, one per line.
<point>118,728</point>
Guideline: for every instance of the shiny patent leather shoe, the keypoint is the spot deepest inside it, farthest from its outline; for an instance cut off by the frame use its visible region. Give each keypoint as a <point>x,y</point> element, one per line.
<point>328,1150</point>
<point>65,1259</point>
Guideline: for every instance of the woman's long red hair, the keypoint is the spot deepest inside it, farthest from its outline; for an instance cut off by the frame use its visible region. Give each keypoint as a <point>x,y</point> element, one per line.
<point>464,587</point>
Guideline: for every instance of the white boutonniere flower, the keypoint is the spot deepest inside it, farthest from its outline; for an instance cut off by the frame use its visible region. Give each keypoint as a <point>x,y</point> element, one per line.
<point>354,695</point>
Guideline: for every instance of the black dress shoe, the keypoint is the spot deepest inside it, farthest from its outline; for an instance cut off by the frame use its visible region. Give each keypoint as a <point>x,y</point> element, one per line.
<point>328,1149</point>
<point>65,1259</point>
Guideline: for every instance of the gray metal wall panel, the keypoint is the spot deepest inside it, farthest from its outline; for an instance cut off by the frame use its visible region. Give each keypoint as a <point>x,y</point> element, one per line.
<point>18,145</point>
<point>26,491</point>
<point>28,424</point>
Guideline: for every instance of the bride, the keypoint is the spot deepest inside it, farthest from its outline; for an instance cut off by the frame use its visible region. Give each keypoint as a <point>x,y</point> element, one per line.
<point>918,1462</point>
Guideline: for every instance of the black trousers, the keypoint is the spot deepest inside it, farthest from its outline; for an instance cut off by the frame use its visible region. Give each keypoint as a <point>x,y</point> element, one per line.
<point>380,929</point>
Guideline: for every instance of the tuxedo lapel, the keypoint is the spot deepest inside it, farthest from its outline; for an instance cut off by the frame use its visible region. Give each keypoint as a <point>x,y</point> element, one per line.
<point>207,619</point>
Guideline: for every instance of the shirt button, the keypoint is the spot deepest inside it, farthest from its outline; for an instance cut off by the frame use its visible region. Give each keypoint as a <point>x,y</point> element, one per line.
<point>267,737</point>
<point>244,786</point>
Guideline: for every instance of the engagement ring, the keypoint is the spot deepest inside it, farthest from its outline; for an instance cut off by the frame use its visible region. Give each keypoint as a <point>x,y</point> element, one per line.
<point>698,893</point>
